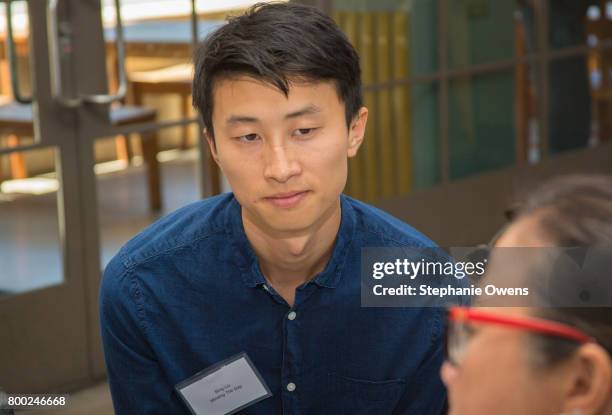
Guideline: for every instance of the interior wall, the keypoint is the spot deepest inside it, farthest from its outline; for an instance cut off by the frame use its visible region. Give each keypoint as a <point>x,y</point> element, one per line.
<point>468,212</point>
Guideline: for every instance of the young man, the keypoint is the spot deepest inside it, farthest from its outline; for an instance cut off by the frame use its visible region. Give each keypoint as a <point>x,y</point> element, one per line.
<point>271,270</point>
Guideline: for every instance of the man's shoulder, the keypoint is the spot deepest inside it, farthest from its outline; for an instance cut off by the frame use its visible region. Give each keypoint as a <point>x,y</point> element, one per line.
<point>385,229</point>
<point>189,224</point>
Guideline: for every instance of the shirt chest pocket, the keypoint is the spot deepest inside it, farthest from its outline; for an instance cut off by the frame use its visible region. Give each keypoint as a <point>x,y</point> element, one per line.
<point>364,397</point>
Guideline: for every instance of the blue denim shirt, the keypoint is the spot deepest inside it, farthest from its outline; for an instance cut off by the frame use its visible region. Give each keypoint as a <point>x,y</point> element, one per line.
<point>187,293</point>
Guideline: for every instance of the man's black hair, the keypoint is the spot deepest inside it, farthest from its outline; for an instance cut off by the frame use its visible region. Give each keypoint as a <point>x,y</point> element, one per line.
<point>278,43</point>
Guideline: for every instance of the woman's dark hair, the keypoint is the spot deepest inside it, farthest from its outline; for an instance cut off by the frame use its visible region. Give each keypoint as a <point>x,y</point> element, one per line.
<point>278,43</point>
<point>574,211</point>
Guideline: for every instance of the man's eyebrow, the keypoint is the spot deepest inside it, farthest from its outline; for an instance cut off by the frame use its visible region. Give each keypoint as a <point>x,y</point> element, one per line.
<point>308,110</point>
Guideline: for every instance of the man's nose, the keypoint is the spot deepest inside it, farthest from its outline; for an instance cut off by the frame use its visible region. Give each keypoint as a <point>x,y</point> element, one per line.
<point>280,163</point>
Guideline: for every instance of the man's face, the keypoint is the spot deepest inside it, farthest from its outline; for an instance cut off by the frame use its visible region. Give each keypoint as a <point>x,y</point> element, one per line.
<point>284,157</point>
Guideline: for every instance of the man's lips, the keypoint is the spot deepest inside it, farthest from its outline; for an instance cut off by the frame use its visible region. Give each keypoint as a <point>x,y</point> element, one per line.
<point>287,200</point>
<point>286,195</point>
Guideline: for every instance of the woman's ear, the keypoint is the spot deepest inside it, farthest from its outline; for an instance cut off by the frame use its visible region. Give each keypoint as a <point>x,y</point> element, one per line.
<point>357,131</point>
<point>589,387</point>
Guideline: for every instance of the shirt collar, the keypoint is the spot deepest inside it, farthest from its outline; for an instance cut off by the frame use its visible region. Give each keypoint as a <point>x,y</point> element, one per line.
<point>247,261</point>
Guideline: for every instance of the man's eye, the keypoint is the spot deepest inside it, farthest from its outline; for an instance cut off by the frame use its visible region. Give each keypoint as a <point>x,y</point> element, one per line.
<point>248,138</point>
<point>303,132</point>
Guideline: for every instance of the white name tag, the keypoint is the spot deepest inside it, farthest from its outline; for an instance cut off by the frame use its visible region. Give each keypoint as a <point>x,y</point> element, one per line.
<point>224,388</point>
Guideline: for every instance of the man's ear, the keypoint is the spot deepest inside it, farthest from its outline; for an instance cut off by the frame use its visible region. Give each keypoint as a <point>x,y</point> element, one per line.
<point>589,385</point>
<point>212,146</point>
<point>357,131</point>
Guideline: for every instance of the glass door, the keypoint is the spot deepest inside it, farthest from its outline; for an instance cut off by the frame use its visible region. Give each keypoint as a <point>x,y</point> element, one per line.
<point>46,273</point>
<point>97,140</point>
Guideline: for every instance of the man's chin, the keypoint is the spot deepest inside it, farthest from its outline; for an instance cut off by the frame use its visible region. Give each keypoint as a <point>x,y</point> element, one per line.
<point>292,224</point>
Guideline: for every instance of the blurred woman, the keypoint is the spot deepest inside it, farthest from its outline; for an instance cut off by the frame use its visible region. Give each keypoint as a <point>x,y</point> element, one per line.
<point>545,360</point>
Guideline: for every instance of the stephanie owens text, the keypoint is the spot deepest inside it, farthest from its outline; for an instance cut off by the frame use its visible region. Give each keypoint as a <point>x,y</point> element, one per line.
<point>426,290</point>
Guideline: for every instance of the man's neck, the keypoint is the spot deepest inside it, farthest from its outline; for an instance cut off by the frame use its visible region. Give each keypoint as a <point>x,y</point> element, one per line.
<point>288,260</point>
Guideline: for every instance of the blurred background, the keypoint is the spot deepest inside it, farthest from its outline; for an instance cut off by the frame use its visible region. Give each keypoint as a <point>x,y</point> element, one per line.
<point>472,102</point>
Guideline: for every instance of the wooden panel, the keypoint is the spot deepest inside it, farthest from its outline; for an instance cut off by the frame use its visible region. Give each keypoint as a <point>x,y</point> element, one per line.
<point>383,166</point>
<point>340,17</point>
<point>368,151</point>
<point>402,111</point>
<point>356,170</point>
<point>384,136</point>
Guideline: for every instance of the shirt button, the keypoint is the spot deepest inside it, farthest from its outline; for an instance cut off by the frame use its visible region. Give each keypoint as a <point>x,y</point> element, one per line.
<point>290,386</point>
<point>291,316</point>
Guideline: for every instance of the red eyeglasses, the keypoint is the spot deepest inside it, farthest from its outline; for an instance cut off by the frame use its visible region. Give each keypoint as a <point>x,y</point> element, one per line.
<point>461,320</point>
